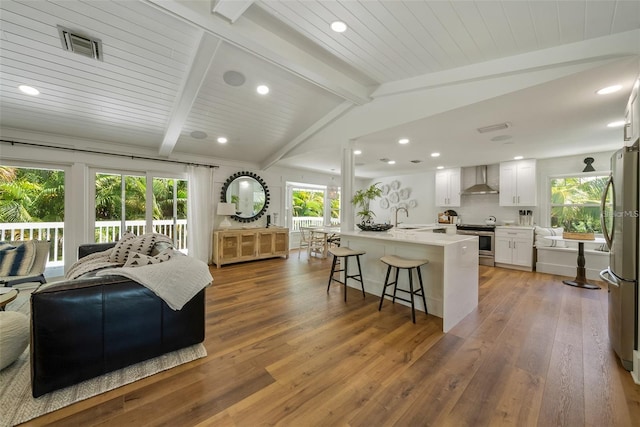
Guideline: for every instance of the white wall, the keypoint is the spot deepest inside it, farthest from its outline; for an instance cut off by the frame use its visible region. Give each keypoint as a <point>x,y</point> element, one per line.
<point>569,165</point>
<point>420,188</point>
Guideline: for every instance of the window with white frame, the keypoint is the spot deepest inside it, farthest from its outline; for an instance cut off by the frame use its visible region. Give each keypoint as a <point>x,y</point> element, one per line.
<point>121,205</point>
<point>575,202</point>
<point>312,205</point>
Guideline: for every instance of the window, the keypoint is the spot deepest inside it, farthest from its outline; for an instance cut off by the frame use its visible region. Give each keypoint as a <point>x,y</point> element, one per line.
<point>170,209</point>
<point>32,207</point>
<point>121,204</point>
<point>310,205</point>
<point>575,202</point>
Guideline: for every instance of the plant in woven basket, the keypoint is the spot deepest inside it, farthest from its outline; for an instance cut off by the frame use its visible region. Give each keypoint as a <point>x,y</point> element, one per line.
<point>582,228</point>
<point>362,199</point>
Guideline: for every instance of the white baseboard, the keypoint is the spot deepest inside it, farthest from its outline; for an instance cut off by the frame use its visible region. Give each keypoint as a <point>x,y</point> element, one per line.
<point>566,270</point>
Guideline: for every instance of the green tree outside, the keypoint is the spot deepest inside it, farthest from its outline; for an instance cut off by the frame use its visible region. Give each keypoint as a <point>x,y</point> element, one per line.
<point>575,203</point>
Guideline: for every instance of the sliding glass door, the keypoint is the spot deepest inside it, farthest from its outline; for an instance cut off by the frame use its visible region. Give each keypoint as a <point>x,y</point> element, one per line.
<point>140,204</point>
<point>170,209</point>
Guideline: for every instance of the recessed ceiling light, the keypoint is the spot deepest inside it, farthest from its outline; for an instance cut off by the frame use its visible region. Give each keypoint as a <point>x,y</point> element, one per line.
<point>440,167</point>
<point>29,90</point>
<point>198,134</point>
<point>403,141</point>
<point>263,89</point>
<point>609,89</point>
<point>339,26</point>
<point>435,154</point>
<point>518,158</point>
<point>391,162</point>
<point>616,124</point>
<point>357,152</point>
<point>222,140</point>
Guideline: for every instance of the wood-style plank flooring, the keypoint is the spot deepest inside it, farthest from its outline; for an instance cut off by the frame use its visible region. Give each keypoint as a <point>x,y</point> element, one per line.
<point>281,350</point>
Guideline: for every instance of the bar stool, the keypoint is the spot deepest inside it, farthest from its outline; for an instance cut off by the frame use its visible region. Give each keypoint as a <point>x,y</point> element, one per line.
<point>408,264</point>
<point>344,253</point>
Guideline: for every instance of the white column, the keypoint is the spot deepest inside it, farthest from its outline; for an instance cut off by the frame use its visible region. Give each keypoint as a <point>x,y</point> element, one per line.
<point>347,173</point>
<point>78,223</point>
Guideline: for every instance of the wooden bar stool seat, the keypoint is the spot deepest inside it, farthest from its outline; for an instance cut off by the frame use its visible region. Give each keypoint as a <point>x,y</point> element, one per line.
<point>344,253</point>
<point>399,263</point>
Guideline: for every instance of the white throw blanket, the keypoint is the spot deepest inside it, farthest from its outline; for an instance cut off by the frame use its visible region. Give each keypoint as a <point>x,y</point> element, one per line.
<point>175,281</point>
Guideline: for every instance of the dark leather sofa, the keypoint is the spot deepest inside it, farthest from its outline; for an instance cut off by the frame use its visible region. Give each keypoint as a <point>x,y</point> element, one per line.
<point>84,328</point>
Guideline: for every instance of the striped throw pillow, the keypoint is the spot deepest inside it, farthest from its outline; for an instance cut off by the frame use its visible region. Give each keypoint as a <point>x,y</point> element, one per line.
<point>17,260</point>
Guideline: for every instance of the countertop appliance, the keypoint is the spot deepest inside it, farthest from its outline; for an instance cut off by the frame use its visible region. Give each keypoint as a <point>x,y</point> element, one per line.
<point>486,240</point>
<point>620,229</point>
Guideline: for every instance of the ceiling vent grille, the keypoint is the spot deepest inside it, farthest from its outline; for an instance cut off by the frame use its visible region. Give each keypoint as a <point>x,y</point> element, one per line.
<point>492,128</point>
<point>80,44</point>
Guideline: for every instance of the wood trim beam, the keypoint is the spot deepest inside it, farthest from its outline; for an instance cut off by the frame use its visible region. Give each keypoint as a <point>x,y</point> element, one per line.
<point>202,59</point>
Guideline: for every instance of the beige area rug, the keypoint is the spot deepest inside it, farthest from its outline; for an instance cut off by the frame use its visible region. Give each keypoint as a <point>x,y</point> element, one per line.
<point>17,405</point>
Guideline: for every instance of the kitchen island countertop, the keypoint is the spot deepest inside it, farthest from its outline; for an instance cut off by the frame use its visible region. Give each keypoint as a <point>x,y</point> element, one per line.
<point>419,236</point>
<point>450,277</point>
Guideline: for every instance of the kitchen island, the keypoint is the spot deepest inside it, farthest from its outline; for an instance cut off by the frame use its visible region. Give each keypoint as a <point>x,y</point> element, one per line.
<point>450,278</point>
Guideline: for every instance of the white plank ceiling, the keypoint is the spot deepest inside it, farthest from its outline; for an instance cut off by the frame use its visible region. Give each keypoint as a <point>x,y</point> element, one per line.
<point>432,71</point>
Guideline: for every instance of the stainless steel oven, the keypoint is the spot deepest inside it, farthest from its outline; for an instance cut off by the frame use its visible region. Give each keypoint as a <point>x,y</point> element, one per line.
<point>486,241</point>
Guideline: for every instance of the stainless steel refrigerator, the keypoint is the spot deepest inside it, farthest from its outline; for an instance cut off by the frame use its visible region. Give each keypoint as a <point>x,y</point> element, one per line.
<point>620,229</point>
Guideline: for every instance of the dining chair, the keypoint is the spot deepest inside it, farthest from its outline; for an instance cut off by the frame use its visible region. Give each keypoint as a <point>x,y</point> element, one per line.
<point>308,241</point>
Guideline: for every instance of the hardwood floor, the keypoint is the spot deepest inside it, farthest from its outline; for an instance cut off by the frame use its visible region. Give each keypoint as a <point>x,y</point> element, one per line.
<point>281,350</point>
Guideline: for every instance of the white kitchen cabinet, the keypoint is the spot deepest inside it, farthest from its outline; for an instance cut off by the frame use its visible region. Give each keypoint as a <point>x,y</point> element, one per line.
<point>514,247</point>
<point>632,117</point>
<point>448,187</point>
<point>518,183</point>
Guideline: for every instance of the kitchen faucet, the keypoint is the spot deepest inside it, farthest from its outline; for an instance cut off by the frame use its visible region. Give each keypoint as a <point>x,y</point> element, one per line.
<point>398,210</point>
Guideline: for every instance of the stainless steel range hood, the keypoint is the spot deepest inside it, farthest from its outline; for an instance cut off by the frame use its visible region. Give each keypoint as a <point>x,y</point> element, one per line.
<point>481,186</point>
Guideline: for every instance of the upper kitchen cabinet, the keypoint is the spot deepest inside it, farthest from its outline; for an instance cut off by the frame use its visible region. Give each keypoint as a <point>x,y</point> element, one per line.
<point>448,187</point>
<point>518,183</point>
<point>632,117</point>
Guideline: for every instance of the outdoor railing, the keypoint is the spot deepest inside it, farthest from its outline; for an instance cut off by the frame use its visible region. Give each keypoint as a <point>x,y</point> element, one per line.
<point>310,221</point>
<point>105,231</point>
<point>52,231</point>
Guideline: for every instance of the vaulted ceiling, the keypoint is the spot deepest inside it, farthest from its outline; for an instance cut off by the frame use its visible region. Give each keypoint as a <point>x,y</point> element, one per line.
<point>176,75</point>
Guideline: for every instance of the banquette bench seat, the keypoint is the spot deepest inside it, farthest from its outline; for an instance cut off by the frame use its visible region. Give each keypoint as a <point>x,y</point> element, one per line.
<point>561,259</point>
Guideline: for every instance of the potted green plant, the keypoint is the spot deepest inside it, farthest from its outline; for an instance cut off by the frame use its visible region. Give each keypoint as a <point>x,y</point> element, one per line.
<point>579,228</point>
<point>362,200</point>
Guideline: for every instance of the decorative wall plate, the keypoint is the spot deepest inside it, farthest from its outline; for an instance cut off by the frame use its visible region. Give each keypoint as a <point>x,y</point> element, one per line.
<point>384,203</point>
<point>385,189</point>
<point>413,203</point>
<point>405,193</point>
<point>394,198</point>
<point>395,185</point>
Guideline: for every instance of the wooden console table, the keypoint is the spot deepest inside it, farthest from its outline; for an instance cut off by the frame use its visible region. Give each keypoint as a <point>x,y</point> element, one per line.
<point>249,244</point>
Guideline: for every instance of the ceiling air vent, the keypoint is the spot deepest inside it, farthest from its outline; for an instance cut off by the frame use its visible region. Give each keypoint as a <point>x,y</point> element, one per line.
<point>492,128</point>
<point>80,44</point>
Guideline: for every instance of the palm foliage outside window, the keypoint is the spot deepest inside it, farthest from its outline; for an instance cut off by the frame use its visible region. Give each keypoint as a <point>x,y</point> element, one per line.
<point>308,202</point>
<point>31,195</point>
<point>119,196</point>
<point>575,203</point>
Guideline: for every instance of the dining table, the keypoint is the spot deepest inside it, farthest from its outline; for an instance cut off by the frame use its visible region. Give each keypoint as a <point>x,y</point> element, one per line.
<point>325,234</point>
<point>581,279</point>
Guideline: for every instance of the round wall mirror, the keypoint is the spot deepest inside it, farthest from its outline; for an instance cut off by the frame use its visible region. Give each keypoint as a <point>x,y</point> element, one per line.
<point>249,193</point>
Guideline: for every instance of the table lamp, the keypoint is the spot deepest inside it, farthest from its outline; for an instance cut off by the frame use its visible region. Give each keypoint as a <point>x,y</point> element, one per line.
<point>226,209</point>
